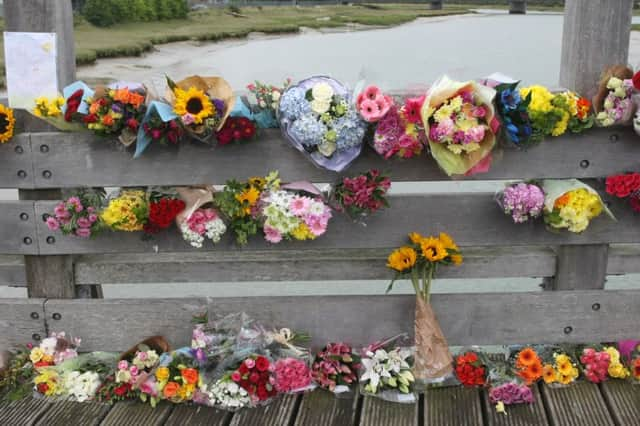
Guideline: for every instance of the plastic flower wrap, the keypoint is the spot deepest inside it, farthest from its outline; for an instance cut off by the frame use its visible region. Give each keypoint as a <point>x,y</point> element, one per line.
<point>527,365</point>
<point>238,203</point>
<point>254,376</point>
<point>164,207</point>
<point>293,211</point>
<point>523,201</point>
<point>548,112</point>
<point>177,378</point>
<point>128,211</point>
<point>471,368</point>
<point>418,261</point>
<point>361,195</point>
<point>201,103</point>
<point>571,204</point>
<point>560,369</point>
<point>78,215</point>
<point>214,340</point>
<point>54,350</point>
<point>460,123</point>
<point>505,388</point>
<point>318,118</point>
<point>601,363</point>
<point>196,221</point>
<point>80,378</point>
<point>267,99</point>
<point>7,124</point>
<point>612,103</point>
<point>335,367</point>
<point>625,186</point>
<point>117,110</point>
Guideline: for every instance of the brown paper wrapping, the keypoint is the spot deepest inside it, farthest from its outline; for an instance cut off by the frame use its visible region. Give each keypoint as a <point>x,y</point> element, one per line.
<point>156,343</point>
<point>194,198</point>
<point>433,359</point>
<point>622,72</point>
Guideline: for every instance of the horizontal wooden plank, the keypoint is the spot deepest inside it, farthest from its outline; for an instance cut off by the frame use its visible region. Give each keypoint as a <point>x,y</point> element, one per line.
<point>377,412</point>
<point>322,408</point>
<point>12,272</point>
<point>73,158</point>
<point>578,405</point>
<point>23,412</point>
<point>18,228</point>
<point>21,321</point>
<point>624,259</point>
<point>545,317</point>
<point>453,406</point>
<point>623,400</point>
<point>483,225</point>
<point>197,415</point>
<point>293,266</point>
<point>16,163</point>
<point>280,412</point>
<point>66,413</point>
<point>517,415</point>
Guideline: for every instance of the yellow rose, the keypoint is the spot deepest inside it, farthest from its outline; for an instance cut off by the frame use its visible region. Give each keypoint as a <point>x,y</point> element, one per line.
<point>36,355</point>
<point>162,374</point>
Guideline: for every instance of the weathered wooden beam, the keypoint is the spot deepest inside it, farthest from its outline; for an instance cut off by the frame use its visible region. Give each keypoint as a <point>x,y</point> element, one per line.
<point>578,404</point>
<point>376,412</point>
<point>489,318</point>
<point>623,398</point>
<point>46,16</point>
<point>581,267</point>
<point>517,7</point>
<point>453,406</point>
<point>16,163</point>
<point>595,35</point>
<point>21,320</point>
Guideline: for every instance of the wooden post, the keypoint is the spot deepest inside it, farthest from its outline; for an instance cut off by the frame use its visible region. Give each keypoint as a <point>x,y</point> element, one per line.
<point>518,7</point>
<point>436,5</point>
<point>47,276</point>
<point>46,16</point>
<point>596,34</point>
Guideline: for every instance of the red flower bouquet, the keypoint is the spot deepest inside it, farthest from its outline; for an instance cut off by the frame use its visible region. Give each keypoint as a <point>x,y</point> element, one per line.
<point>163,210</point>
<point>254,376</point>
<point>236,129</point>
<point>471,369</point>
<point>625,186</point>
<point>335,367</point>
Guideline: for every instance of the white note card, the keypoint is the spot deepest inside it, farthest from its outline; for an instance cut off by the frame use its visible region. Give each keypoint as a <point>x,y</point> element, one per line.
<point>30,62</point>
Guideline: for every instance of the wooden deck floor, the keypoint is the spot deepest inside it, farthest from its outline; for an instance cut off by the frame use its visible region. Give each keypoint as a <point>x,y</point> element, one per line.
<point>585,404</point>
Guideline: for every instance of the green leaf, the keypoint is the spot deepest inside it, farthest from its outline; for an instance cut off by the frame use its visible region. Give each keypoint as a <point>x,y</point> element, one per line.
<point>171,83</point>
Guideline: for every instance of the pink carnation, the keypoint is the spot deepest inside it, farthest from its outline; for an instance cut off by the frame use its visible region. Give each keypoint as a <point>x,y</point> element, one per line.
<point>53,224</point>
<point>272,235</point>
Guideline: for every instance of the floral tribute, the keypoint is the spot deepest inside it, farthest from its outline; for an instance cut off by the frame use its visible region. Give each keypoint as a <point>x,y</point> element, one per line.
<point>54,350</point>
<point>163,210</point>
<point>528,365</point>
<point>164,132</point>
<point>78,215</point>
<point>7,124</point>
<point>291,375</point>
<point>372,104</point>
<point>224,394</point>
<point>318,118</point>
<point>513,112</point>
<point>625,186</point>
<point>522,201</point>
<point>460,123</point>
<point>335,367</point>
<point>387,370</point>
<point>570,204</point>
<point>255,377</point>
<point>267,99</point>
<point>236,129</point>
<point>126,212</point>
<point>362,195</point>
<point>471,368</point>
<point>201,224</point>
<point>510,393</point>
<point>613,103</point>
<point>177,378</point>
<point>561,370</point>
<point>400,132</point>
<point>600,364</point>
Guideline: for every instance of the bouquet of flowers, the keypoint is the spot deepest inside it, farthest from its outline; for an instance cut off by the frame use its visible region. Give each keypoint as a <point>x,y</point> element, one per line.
<point>78,215</point>
<point>16,375</point>
<point>612,102</point>
<point>400,132</point>
<point>202,104</point>
<point>471,368</point>
<point>254,376</point>
<point>197,222</point>
<point>548,112</point>
<point>224,394</point>
<point>126,211</point>
<point>7,124</point>
<point>599,364</point>
<point>571,204</point>
<point>238,203</point>
<point>267,100</point>
<point>335,367</point>
<point>461,126</point>
<point>117,109</point>
<point>54,350</point>
<point>164,207</point>
<point>159,125</point>
<point>293,211</point>
<point>527,365</point>
<point>523,201</point>
<point>177,378</point>
<point>372,104</point>
<point>561,369</point>
<point>80,378</point>
<point>505,388</point>
<point>236,129</point>
<point>629,352</point>
<point>579,108</point>
<point>361,195</point>
<point>317,116</point>
<point>386,372</point>
<point>625,186</point>
<point>291,375</point>
<point>418,261</point>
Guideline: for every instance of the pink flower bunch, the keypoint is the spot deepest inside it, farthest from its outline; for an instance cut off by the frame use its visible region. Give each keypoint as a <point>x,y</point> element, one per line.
<point>372,104</point>
<point>336,365</point>
<point>290,215</point>
<point>511,393</point>
<point>74,217</point>
<point>400,132</point>
<point>522,201</point>
<point>363,194</point>
<point>127,373</point>
<point>290,374</point>
<point>596,364</point>
<point>200,224</point>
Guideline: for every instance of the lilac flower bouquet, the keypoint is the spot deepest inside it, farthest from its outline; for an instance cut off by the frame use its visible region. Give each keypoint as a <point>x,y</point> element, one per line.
<point>523,201</point>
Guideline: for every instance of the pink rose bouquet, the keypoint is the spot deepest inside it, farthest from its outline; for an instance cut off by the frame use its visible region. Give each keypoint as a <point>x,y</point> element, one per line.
<point>78,215</point>
<point>291,375</point>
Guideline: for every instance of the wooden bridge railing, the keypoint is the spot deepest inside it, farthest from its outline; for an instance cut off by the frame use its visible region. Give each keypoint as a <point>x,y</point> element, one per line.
<point>574,306</point>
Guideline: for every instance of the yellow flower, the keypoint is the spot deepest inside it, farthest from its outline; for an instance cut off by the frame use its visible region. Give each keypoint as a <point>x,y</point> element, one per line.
<point>618,371</point>
<point>302,232</point>
<point>549,374</point>
<point>561,126</point>
<point>126,212</point>
<point>258,182</point>
<point>416,238</point>
<point>47,358</point>
<point>447,241</point>
<point>48,377</point>
<point>36,354</point>
<point>433,250</point>
<point>194,102</point>
<point>162,374</point>
<point>456,259</point>
<point>568,379</point>
<point>500,408</point>
<point>402,259</point>
<point>564,367</point>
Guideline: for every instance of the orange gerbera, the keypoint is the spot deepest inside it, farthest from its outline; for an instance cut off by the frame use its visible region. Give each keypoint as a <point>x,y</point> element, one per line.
<point>127,97</point>
<point>527,357</point>
<point>107,120</point>
<point>563,200</point>
<point>548,373</point>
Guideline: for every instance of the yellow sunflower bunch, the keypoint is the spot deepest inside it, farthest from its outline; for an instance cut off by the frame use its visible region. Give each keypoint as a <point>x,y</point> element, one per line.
<point>7,124</point>
<point>193,103</point>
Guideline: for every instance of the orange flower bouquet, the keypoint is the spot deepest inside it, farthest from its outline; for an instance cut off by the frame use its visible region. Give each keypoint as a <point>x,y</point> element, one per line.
<point>419,261</point>
<point>528,365</point>
<point>177,379</point>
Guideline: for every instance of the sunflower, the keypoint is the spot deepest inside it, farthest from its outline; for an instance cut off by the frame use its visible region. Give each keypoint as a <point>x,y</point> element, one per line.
<point>447,241</point>
<point>7,123</point>
<point>258,182</point>
<point>527,357</point>
<point>402,259</point>
<point>193,102</point>
<point>549,374</point>
<point>416,238</point>
<point>433,249</point>
<point>456,259</point>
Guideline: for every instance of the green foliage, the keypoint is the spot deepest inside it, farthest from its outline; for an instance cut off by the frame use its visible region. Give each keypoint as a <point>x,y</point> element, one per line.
<point>99,12</point>
<point>105,13</point>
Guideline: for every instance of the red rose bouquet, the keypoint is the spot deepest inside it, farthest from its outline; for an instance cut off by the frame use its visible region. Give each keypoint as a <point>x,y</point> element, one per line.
<point>254,376</point>
<point>625,186</point>
<point>163,210</point>
<point>236,129</point>
<point>471,368</point>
